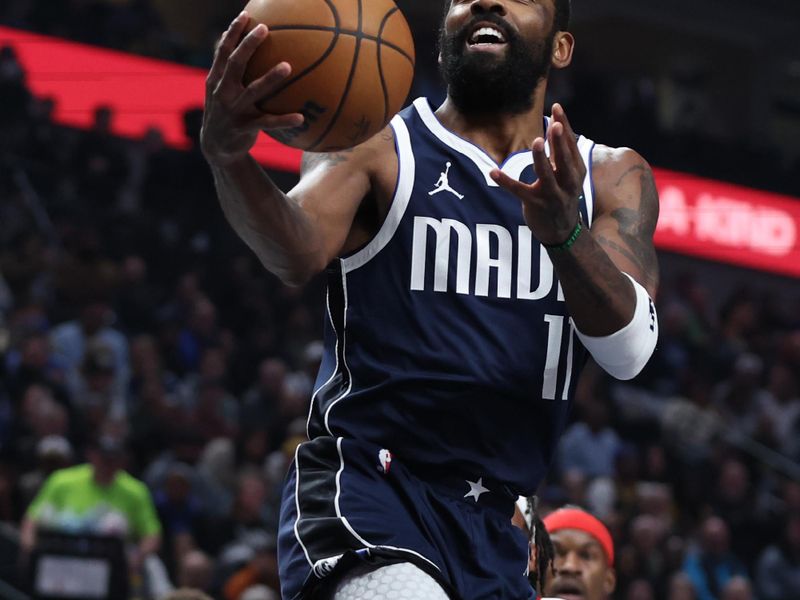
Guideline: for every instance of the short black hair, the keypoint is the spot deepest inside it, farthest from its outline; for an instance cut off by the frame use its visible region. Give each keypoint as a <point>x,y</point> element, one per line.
<point>563,12</point>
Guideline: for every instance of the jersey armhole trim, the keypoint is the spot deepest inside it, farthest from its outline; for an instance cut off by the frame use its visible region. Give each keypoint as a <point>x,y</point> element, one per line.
<point>402,196</point>
<point>586,147</point>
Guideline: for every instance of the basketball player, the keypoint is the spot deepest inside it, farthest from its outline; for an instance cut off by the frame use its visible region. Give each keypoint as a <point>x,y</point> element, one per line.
<point>457,322</point>
<point>583,563</point>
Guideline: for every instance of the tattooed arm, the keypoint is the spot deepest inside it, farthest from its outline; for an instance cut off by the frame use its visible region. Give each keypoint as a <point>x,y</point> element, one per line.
<point>297,234</point>
<point>599,296</point>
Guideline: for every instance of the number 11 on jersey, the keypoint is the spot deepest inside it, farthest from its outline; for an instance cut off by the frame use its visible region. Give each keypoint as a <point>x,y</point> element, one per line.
<point>555,336</point>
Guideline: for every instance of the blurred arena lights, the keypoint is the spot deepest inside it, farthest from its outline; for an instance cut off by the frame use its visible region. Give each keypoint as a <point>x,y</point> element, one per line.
<point>699,217</point>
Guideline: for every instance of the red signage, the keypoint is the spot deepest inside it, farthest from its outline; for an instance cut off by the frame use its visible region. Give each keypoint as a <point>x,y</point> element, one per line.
<point>728,223</point>
<point>143,92</point>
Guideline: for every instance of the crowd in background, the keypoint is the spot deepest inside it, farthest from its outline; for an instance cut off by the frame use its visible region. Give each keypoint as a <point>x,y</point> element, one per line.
<point>128,307</point>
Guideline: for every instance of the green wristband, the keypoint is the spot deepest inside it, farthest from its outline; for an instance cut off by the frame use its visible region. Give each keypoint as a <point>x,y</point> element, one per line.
<point>573,237</point>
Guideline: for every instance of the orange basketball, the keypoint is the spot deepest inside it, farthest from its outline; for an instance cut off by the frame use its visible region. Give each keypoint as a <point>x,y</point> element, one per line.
<point>352,66</point>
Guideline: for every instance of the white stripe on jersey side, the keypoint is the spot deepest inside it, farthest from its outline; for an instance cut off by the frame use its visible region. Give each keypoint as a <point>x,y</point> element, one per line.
<point>344,356</point>
<point>335,368</point>
<point>586,146</point>
<point>349,527</point>
<point>339,515</point>
<point>297,505</point>
<point>406,168</point>
<point>568,377</point>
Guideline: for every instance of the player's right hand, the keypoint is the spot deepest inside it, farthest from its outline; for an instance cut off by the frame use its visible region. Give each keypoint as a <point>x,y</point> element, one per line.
<point>232,120</point>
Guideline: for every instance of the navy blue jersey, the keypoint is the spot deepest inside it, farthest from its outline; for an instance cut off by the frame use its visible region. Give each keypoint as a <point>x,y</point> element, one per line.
<point>448,340</point>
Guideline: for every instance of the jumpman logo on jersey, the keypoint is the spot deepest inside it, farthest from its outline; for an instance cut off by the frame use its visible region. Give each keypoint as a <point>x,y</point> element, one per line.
<point>443,185</point>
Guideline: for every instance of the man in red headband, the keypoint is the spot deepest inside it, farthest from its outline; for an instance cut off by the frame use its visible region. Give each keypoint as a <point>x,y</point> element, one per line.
<point>583,566</point>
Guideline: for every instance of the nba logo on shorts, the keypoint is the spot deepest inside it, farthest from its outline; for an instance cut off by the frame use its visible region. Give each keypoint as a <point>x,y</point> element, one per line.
<point>385,458</point>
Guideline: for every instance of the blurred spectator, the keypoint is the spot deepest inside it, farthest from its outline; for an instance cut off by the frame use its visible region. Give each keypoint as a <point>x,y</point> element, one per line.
<point>778,570</point>
<point>738,588</point>
<point>186,593</point>
<point>736,398</point>
<point>681,587</point>
<point>640,589</point>
<point>260,403</point>
<point>180,512</point>
<point>196,571</point>
<point>734,500</point>
<point>32,361</point>
<point>53,453</point>
<point>71,340</point>
<point>779,404</point>
<point>259,592</point>
<point>200,333</point>
<point>590,445</point>
<point>96,498</point>
<point>249,518</point>
<point>713,565</point>
<point>136,298</point>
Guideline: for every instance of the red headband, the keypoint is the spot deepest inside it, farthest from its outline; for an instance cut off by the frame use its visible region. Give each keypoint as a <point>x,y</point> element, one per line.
<point>575,518</point>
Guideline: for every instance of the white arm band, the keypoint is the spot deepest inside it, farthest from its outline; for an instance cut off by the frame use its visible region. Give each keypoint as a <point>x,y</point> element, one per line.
<point>624,354</point>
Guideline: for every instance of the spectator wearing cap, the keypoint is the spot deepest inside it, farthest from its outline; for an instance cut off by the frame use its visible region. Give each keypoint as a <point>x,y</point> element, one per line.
<point>72,339</point>
<point>53,452</point>
<point>97,498</point>
<point>583,563</point>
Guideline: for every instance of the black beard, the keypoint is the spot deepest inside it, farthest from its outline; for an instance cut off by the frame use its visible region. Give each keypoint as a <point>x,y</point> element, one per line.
<point>481,83</point>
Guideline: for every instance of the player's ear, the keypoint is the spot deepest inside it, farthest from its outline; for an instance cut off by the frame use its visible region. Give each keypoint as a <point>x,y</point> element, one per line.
<point>609,582</point>
<point>563,46</point>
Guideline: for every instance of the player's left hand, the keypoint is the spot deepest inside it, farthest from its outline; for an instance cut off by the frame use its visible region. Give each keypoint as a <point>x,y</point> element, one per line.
<point>550,204</point>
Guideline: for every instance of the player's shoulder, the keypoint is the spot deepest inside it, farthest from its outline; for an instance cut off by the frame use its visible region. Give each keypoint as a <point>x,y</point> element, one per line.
<point>614,169</point>
<point>608,161</point>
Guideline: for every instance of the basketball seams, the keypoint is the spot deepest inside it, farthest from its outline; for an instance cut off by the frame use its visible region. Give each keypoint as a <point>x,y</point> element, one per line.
<point>308,70</point>
<point>347,32</point>
<point>334,38</point>
<point>380,62</point>
<point>348,85</point>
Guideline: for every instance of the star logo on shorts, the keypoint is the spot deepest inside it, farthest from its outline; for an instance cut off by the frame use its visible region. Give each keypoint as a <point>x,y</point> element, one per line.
<point>475,489</point>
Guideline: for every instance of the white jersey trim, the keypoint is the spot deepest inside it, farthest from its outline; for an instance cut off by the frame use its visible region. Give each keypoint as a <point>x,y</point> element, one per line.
<point>514,165</point>
<point>459,144</point>
<point>335,368</point>
<point>586,147</point>
<point>326,416</point>
<point>405,184</point>
<point>297,506</point>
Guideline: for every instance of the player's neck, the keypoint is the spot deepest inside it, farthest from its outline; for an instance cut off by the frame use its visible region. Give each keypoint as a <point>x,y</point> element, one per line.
<point>500,135</point>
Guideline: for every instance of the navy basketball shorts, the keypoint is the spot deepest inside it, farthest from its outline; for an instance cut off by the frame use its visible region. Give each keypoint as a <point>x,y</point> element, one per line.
<point>347,502</point>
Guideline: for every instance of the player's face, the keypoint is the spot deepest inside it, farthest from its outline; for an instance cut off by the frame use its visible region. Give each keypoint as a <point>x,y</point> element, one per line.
<point>495,52</point>
<point>581,568</point>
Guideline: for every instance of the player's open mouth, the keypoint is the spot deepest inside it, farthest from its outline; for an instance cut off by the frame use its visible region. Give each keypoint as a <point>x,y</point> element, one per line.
<point>486,37</point>
<point>568,590</point>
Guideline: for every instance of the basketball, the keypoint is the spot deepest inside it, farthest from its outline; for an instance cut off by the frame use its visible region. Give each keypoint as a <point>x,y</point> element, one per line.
<point>352,66</point>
